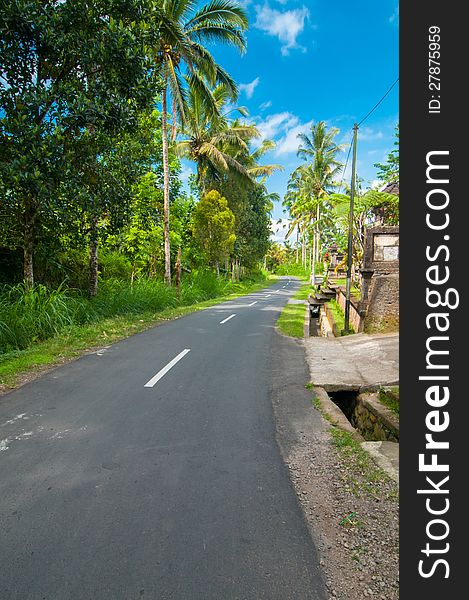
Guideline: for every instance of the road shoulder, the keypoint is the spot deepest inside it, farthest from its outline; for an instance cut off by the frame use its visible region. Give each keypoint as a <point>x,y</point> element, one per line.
<point>356,534</point>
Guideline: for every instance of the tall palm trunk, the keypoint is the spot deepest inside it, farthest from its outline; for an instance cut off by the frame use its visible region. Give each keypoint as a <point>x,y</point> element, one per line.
<point>178,272</point>
<point>28,245</point>
<point>201,171</point>
<point>313,271</point>
<point>303,249</point>
<point>167,246</point>
<point>93,280</point>
<point>315,246</point>
<point>318,234</point>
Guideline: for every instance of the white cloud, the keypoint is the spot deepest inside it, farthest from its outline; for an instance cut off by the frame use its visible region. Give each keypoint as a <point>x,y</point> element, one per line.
<point>276,124</point>
<point>265,105</point>
<point>287,25</point>
<point>394,18</point>
<point>284,129</point>
<point>279,229</point>
<point>248,88</point>
<point>289,142</point>
<point>186,172</point>
<point>367,134</point>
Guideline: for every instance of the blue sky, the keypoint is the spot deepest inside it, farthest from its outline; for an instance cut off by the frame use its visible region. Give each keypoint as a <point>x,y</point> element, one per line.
<point>313,60</point>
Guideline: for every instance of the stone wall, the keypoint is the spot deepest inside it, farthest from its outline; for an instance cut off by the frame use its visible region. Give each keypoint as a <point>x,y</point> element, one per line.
<point>380,280</point>
<point>355,319</point>
<point>326,325</point>
<point>382,313</point>
<point>374,421</point>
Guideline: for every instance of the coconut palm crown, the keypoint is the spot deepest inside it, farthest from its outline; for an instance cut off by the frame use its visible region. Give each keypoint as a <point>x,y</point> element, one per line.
<point>219,145</point>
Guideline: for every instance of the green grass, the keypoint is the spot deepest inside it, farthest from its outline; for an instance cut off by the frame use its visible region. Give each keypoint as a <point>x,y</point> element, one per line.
<point>30,315</point>
<point>317,404</point>
<point>360,473</point>
<point>337,314</point>
<point>390,398</point>
<point>72,340</point>
<point>292,318</point>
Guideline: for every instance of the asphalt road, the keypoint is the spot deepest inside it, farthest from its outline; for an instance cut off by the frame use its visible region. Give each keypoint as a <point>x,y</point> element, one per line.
<point>150,470</point>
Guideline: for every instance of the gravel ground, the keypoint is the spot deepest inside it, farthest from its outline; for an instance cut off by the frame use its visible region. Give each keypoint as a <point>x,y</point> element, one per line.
<point>359,554</point>
<point>356,532</point>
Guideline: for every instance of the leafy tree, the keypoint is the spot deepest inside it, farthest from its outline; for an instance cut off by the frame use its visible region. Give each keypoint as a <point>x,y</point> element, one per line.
<point>246,193</point>
<point>251,205</point>
<point>140,235</point>
<point>101,191</point>
<point>106,188</point>
<point>141,240</point>
<point>213,226</point>
<point>182,35</point>
<point>69,72</point>
<point>277,255</point>
<point>253,230</point>
<point>384,206</point>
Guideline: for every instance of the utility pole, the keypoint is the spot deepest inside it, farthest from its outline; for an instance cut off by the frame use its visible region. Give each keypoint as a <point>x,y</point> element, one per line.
<point>350,232</point>
<point>313,265</point>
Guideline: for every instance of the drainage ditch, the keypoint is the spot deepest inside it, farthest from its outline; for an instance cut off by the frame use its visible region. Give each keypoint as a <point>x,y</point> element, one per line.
<point>313,326</point>
<point>366,415</point>
<point>347,401</point>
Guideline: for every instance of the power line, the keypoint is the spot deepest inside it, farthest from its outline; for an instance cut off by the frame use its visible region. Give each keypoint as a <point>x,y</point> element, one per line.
<point>346,163</point>
<point>378,103</point>
<point>358,125</point>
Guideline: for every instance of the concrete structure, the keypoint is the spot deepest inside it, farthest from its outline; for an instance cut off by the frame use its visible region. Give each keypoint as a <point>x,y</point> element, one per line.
<point>358,362</point>
<point>380,287</point>
<point>353,362</point>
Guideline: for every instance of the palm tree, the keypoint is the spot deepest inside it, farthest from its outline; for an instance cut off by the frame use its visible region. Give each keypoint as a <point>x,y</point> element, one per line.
<point>212,141</point>
<point>183,32</point>
<point>250,160</point>
<point>301,205</point>
<point>321,151</point>
<point>219,145</point>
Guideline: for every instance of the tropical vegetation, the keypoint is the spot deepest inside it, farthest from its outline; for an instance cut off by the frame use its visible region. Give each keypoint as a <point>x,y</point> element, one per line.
<point>103,103</point>
<point>318,205</point>
<point>100,101</point>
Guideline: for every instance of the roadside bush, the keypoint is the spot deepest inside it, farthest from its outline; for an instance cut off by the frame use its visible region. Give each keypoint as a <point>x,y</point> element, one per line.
<point>28,316</point>
<point>36,314</point>
<point>294,269</point>
<point>201,285</point>
<point>118,297</point>
<point>114,265</point>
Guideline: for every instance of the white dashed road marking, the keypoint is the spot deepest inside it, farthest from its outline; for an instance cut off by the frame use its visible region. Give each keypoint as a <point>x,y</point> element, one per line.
<point>165,369</point>
<point>227,319</point>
